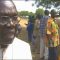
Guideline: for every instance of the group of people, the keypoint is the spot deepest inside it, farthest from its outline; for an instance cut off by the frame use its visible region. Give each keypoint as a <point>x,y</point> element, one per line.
<point>45,39</point>
<point>45,35</point>
<point>49,40</point>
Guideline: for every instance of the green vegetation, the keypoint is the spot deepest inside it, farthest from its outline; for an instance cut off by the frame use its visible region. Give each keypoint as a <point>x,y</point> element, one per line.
<point>31,16</point>
<point>46,3</point>
<point>39,12</point>
<point>23,13</point>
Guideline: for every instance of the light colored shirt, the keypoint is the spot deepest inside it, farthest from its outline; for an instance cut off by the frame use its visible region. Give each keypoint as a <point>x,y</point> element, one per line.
<point>17,50</point>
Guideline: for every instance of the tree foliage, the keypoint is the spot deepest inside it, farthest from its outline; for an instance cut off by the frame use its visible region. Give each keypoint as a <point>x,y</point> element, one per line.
<point>32,16</point>
<point>23,13</point>
<point>39,12</point>
<point>47,3</point>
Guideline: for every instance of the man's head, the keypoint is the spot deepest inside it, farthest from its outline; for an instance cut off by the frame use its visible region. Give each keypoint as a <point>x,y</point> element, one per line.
<point>53,13</point>
<point>46,12</point>
<point>8,21</point>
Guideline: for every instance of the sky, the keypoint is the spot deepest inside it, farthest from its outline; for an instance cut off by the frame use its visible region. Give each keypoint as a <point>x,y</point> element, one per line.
<point>25,6</point>
<point>22,5</point>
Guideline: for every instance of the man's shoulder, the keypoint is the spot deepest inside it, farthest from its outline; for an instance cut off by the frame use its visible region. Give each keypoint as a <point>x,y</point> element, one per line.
<point>46,17</point>
<point>20,50</point>
<point>50,20</point>
<point>20,42</point>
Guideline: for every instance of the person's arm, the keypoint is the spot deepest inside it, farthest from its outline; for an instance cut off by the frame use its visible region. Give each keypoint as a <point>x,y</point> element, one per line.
<point>48,28</point>
<point>48,32</point>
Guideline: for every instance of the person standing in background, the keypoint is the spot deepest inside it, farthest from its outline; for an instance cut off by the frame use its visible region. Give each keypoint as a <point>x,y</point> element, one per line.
<point>30,28</point>
<point>52,36</point>
<point>46,17</point>
<point>43,24</point>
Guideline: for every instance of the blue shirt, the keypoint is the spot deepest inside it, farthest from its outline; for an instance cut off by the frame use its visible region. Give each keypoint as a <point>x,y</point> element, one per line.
<point>30,27</point>
<point>43,22</point>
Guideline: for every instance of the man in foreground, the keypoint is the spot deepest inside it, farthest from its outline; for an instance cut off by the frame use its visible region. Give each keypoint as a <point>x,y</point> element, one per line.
<point>10,46</point>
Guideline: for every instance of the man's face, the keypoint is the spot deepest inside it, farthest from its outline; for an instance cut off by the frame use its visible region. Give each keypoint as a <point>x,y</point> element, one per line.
<point>7,28</point>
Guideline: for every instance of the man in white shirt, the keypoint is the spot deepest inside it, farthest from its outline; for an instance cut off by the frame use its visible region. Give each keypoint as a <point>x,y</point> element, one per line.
<point>10,47</point>
<point>17,50</point>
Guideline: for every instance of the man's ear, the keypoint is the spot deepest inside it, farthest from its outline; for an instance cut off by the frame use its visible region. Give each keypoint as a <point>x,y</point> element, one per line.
<point>18,29</point>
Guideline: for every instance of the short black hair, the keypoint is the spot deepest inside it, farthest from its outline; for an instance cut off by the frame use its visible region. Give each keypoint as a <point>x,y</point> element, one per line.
<point>53,13</point>
<point>46,12</point>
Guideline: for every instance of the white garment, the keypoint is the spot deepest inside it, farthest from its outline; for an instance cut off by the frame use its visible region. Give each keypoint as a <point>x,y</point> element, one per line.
<point>17,50</point>
<point>43,49</point>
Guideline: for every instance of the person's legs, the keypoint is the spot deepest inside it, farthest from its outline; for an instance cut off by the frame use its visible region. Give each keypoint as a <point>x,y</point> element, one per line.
<point>53,53</point>
<point>50,53</point>
<point>46,53</point>
<point>42,48</point>
<point>37,44</point>
<point>29,36</point>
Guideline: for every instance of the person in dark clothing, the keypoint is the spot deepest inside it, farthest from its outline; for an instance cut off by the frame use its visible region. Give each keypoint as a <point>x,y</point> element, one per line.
<point>30,31</point>
<point>30,27</point>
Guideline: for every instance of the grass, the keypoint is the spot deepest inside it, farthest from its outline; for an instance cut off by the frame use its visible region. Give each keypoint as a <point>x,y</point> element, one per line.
<point>23,33</point>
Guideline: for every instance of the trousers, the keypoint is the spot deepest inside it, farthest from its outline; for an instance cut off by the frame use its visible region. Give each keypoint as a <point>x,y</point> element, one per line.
<point>53,53</point>
<point>43,49</point>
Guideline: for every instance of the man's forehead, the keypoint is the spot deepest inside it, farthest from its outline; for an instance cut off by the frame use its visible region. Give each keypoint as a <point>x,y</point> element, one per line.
<point>7,7</point>
<point>8,3</point>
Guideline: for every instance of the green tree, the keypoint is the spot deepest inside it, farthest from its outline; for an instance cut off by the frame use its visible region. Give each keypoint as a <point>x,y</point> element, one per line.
<point>32,17</point>
<point>39,12</point>
<point>46,3</point>
<point>23,13</point>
